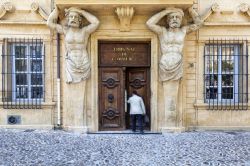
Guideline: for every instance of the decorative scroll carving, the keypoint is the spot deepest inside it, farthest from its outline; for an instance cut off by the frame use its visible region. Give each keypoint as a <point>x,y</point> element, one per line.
<point>111,83</point>
<point>111,113</point>
<point>6,7</point>
<point>125,15</point>
<point>214,8</point>
<point>36,8</point>
<point>137,83</point>
<point>244,8</point>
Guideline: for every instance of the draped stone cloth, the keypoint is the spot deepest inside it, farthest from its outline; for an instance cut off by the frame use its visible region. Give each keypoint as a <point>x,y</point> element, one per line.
<point>171,66</point>
<point>77,68</point>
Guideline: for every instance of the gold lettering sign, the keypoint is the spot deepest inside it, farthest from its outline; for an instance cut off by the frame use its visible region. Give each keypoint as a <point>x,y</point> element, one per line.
<point>123,54</point>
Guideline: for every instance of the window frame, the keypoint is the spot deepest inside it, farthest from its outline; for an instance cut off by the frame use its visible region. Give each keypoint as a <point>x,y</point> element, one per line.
<point>219,73</point>
<point>28,58</point>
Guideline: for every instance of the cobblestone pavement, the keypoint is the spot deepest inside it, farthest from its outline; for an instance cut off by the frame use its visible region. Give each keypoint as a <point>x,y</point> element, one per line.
<point>59,148</point>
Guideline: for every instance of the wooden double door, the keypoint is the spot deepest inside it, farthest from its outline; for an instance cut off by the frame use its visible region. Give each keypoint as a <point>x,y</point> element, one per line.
<point>115,86</point>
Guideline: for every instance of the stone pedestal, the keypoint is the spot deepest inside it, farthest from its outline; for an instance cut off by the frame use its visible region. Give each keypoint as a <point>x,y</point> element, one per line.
<point>171,89</point>
<point>74,106</point>
<point>172,107</point>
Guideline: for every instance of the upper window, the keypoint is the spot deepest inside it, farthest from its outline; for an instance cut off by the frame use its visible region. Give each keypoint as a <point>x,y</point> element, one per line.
<point>226,74</point>
<point>23,73</point>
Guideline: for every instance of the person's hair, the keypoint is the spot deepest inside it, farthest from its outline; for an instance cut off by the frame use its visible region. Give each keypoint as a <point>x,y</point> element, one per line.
<point>135,92</point>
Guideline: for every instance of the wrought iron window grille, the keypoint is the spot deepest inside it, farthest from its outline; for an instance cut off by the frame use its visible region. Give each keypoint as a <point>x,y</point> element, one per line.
<point>23,73</point>
<point>226,74</point>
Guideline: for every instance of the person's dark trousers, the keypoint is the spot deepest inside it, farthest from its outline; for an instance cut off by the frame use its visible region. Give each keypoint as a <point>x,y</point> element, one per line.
<point>140,121</point>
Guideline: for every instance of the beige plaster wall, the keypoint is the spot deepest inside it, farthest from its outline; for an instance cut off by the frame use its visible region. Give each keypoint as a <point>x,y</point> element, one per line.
<point>220,25</point>
<point>23,23</point>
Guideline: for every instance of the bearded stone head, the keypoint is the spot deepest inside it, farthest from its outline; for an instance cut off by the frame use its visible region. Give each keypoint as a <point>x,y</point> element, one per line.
<point>74,17</point>
<point>174,18</point>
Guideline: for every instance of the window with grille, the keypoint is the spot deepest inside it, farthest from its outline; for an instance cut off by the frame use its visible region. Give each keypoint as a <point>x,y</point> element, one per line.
<point>226,74</point>
<point>23,73</point>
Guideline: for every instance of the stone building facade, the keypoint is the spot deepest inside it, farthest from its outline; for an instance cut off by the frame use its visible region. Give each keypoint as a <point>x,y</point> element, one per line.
<point>124,55</point>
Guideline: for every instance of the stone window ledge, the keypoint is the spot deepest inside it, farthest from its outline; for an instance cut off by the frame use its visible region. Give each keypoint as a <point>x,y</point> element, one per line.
<point>205,106</point>
<point>43,105</point>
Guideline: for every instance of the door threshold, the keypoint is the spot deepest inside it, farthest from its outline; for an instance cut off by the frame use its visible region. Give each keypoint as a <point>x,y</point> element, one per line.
<point>124,132</point>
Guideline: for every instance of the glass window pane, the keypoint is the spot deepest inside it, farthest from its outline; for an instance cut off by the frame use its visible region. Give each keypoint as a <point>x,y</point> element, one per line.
<point>207,50</point>
<point>21,79</point>
<point>214,50</point>
<point>36,79</point>
<point>36,92</point>
<point>21,92</point>
<point>207,80</point>
<point>215,65</point>
<point>21,65</point>
<point>36,65</point>
<point>211,93</point>
<point>227,66</point>
<point>207,64</point>
<point>227,80</point>
<point>213,80</point>
<point>36,51</point>
<point>20,51</point>
<point>227,93</point>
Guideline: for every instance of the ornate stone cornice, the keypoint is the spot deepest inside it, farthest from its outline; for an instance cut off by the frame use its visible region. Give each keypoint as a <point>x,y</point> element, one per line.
<point>6,7</point>
<point>36,8</point>
<point>214,8</point>
<point>244,8</point>
<point>125,15</point>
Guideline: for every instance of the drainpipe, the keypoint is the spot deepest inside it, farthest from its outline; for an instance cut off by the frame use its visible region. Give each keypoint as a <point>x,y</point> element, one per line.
<point>58,82</point>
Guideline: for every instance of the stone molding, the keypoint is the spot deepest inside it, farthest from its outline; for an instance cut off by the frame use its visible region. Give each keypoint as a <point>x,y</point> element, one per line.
<point>24,127</point>
<point>244,8</point>
<point>125,15</point>
<point>241,9</point>
<point>6,7</point>
<point>214,8</point>
<point>38,9</point>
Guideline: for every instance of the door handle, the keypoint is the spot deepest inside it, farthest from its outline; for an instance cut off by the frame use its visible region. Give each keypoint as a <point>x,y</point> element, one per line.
<point>125,101</point>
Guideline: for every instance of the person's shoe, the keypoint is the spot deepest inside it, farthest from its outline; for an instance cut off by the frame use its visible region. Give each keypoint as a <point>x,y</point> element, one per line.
<point>133,131</point>
<point>142,132</point>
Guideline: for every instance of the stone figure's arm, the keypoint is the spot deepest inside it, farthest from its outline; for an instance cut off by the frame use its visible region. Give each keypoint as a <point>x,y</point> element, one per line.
<point>198,22</point>
<point>152,22</point>
<point>94,22</point>
<point>51,22</point>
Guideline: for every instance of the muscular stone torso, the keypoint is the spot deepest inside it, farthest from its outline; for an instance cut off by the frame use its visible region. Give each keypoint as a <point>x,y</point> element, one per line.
<point>171,48</point>
<point>78,65</point>
<point>172,42</point>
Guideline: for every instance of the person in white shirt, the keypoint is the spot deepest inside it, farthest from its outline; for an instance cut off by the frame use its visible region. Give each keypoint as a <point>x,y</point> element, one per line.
<point>137,110</point>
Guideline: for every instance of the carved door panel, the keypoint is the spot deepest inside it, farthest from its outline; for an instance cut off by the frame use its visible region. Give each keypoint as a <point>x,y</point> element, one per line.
<point>139,79</point>
<point>111,99</point>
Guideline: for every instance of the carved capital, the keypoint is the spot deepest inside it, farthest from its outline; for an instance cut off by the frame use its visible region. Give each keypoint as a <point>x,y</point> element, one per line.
<point>244,8</point>
<point>214,8</point>
<point>36,8</point>
<point>125,15</point>
<point>6,7</point>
